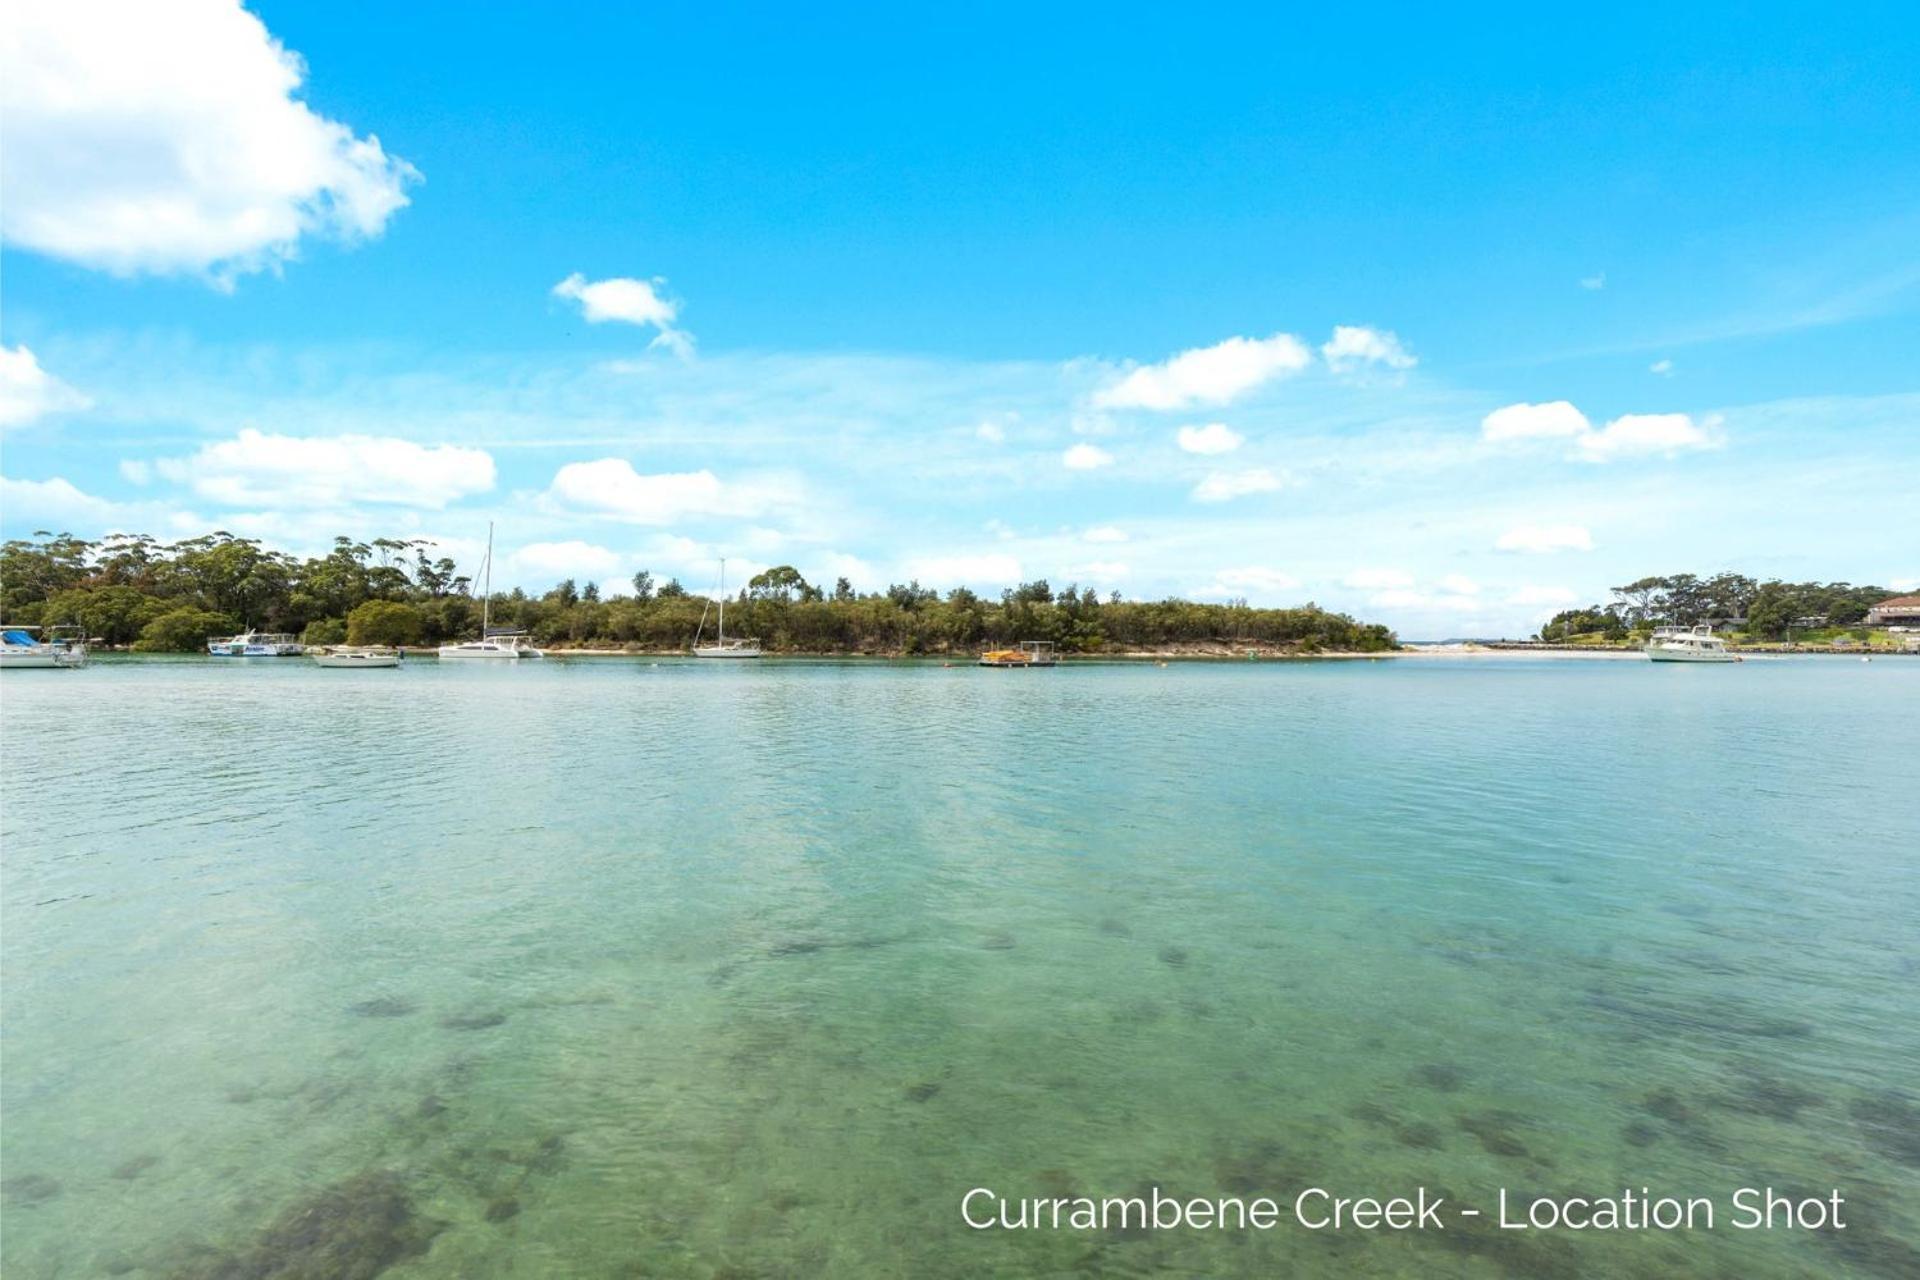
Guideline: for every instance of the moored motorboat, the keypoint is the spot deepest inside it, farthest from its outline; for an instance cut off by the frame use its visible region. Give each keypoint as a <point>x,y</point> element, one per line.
<point>1688,644</point>
<point>256,644</point>
<point>352,656</point>
<point>21,648</point>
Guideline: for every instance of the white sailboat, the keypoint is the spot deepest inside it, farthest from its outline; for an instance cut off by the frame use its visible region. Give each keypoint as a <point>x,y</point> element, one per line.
<point>360,657</point>
<point>502,644</point>
<point>22,648</point>
<point>723,647</point>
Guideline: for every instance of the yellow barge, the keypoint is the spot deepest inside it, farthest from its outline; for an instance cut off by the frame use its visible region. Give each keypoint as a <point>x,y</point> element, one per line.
<point>1030,653</point>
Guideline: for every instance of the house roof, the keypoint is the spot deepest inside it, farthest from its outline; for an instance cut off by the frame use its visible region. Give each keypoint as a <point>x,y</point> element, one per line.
<point>1900,602</point>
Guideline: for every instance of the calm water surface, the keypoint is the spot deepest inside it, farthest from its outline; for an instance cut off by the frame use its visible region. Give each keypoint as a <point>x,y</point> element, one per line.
<point>614,968</point>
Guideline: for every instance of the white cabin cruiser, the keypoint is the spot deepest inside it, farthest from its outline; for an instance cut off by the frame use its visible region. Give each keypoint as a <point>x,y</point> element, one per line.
<point>22,648</point>
<point>256,644</point>
<point>493,643</point>
<point>1688,644</point>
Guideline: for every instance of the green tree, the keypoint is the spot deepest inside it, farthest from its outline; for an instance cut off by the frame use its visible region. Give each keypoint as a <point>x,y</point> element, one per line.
<point>390,622</point>
<point>183,630</point>
<point>325,631</point>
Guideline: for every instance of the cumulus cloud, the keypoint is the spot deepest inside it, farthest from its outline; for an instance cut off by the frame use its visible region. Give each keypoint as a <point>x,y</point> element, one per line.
<point>612,489</point>
<point>1541,539</point>
<point>1542,597</point>
<point>1104,533</point>
<point>1377,579</point>
<point>624,300</point>
<point>60,504</point>
<point>1638,435</point>
<point>1215,437</point>
<point>1086,457</point>
<point>29,393</point>
<point>551,561</point>
<point>946,572</point>
<point>1208,375</point>
<point>1225,486</point>
<point>258,469</point>
<point>1353,346</point>
<point>167,139</point>
<point>1253,582</point>
<point>1629,436</point>
<point>1556,419</point>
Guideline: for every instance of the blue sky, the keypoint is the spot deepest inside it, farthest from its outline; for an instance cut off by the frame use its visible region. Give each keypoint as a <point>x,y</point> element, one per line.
<point>1482,316</point>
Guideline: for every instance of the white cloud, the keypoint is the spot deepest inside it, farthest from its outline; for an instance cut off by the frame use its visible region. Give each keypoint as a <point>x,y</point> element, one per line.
<point>991,432</point>
<point>1637,435</point>
<point>1104,533</point>
<point>1225,486</point>
<point>1086,457</point>
<point>947,572</point>
<point>29,393</point>
<point>1215,437</point>
<point>1541,539</point>
<point>1554,420</point>
<point>628,301</point>
<point>1629,436</point>
<point>1354,345</point>
<point>1905,584</point>
<point>611,488</point>
<point>166,139</point>
<point>256,469</point>
<point>58,504</point>
<point>1662,367</point>
<point>134,471</point>
<point>1208,375</point>
<point>1542,597</point>
<point>552,561</point>
<point>1377,579</point>
<point>1459,585</point>
<point>1104,570</point>
<point>1254,582</point>
<point>1594,281</point>
<point>837,564</point>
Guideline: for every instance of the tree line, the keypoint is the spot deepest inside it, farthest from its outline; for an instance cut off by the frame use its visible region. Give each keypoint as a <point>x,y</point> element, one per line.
<point>136,591</point>
<point>1766,610</point>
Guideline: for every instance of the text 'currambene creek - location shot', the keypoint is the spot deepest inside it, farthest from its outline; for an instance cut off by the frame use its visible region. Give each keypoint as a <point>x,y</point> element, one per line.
<point>731,643</point>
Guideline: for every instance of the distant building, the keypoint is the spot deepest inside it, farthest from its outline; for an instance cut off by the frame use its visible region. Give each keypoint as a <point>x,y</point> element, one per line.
<point>1808,622</point>
<point>1903,609</point>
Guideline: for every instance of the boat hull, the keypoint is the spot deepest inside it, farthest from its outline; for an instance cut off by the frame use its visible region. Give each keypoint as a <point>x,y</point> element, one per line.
<point>711,651</point>
<point>349,661</point>
<point>1690,655</point>
<point>462,654</point>
<point>40,660</point>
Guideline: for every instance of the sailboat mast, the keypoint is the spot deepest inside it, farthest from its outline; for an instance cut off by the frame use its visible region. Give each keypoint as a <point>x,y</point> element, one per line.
<point>723,600</point>
<point>486,600</point>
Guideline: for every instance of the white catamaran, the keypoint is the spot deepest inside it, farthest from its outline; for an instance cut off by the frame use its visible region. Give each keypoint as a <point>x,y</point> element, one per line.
<point>723,647</point>
<point>491,644</point>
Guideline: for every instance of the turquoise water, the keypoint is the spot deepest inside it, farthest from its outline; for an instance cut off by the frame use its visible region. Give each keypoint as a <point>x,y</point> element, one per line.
<point>618,968</point>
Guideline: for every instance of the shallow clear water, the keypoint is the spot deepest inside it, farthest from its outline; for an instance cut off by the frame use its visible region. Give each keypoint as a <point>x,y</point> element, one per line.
<point>624,968</point>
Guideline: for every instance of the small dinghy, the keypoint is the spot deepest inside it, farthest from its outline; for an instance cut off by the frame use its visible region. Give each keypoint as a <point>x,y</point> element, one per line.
<point>348,655</point>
